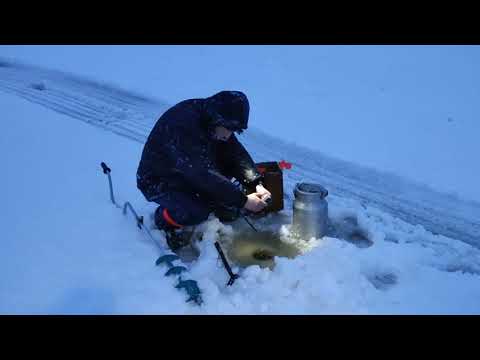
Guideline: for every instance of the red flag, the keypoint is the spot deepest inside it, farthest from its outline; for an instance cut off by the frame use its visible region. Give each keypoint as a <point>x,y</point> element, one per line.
<point>285,165</point>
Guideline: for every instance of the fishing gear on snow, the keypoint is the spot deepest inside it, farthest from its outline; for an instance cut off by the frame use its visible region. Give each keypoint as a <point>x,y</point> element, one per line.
<point>190,286</point>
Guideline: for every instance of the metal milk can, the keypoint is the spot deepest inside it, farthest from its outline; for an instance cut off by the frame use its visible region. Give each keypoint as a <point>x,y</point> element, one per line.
<point>310,211</point>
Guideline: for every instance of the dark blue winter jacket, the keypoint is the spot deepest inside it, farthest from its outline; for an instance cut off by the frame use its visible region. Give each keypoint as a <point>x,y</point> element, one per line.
<point>181,153</point>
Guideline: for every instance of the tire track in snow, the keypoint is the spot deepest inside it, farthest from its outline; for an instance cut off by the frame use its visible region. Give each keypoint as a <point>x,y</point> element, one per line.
<point>72,112</point>
<point>108,114</point>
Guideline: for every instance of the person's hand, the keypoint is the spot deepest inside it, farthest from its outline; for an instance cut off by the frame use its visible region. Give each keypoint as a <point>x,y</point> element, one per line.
<point>264,193</point>
<point>255,203</point>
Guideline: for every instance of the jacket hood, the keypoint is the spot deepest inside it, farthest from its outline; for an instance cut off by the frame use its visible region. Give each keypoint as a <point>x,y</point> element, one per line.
<point>229,109</point>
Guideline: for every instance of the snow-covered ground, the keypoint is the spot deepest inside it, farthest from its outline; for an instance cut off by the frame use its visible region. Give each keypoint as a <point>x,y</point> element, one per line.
<point>66,249</point>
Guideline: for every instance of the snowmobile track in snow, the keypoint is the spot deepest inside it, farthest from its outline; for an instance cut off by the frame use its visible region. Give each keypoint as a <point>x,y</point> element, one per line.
<point>132,116</point>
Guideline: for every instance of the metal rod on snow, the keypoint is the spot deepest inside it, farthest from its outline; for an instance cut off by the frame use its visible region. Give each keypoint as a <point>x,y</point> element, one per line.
<point>233,276</point>
<point>139,219</point>
<point>107,170</point>
<point>140,222</point>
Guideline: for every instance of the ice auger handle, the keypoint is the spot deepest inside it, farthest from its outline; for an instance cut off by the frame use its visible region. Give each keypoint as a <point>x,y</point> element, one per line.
<point>106,169</point>
<point>233,276</point>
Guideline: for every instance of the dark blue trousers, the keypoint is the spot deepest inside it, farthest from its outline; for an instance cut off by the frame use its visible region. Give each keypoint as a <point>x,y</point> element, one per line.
<point>183,208</point>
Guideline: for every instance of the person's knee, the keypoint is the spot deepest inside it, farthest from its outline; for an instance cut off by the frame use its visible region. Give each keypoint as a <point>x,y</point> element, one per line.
<point>194,216</point>
<point>177,217</point>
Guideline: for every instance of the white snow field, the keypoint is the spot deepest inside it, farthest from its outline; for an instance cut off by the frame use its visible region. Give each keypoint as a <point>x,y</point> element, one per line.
<point>66,249</point>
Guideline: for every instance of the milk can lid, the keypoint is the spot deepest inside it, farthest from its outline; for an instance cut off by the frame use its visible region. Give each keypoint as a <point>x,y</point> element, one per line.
<point>312,189</point>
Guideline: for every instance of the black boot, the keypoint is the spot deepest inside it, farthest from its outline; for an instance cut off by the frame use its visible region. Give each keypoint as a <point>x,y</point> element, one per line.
<point>176,238</point>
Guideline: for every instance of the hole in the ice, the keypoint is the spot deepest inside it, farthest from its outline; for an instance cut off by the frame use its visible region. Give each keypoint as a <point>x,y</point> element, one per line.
<point>360,238</point>
<point>347,228</point>
<point>350,220</point>
<point>38,86</point>
<point>391,238</point>
<point>262,255</point>
<point>257,248</point>
<point>383,281</point>
<point>4,64</point>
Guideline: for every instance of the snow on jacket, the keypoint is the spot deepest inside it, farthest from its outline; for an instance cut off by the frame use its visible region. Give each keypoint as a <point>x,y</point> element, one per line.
<point>182,154</point>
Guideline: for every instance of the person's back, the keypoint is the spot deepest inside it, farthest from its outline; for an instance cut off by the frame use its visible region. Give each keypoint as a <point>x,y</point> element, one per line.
<point>156,164</point>
<point>190,157</point>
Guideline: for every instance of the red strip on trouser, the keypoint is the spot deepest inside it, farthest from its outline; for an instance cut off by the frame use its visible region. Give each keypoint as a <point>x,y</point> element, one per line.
<point>169,220</point>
